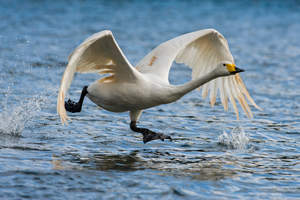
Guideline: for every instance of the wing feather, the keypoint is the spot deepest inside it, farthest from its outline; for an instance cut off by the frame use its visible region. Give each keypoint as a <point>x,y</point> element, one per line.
<point>223,93</point>
<point>206,52</point>
<point>97,54</point>
<point>232,96</point>
<point>202,51</point>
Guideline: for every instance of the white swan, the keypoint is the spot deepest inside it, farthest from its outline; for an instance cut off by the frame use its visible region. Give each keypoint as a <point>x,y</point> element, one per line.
<point>134,89</point>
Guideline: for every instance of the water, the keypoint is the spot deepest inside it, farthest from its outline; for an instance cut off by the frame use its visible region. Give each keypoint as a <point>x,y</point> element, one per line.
<point>212,156</point>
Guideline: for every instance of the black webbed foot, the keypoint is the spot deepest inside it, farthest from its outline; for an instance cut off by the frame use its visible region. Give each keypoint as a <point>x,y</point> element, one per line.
<point>149,135</point>
<point>74,107</point>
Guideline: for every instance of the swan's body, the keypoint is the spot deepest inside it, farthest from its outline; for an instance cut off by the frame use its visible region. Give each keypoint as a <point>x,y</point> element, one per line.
<point>140,95</point>
<point>134,89</point>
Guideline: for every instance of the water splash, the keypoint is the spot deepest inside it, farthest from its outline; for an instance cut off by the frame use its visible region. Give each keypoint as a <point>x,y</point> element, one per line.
<point>14,120</point>
<point>237,139</point>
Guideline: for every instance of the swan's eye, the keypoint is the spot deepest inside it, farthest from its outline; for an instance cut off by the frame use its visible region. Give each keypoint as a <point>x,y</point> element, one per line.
<point>224,65</point>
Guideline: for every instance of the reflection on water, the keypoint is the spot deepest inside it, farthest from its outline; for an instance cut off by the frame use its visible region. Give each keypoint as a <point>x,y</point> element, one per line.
<point>97,156</point>
<point>197,168</point>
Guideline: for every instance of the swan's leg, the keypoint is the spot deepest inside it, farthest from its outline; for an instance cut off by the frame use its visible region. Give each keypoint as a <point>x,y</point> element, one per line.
<point>148,135</point>
<point>72,106</point>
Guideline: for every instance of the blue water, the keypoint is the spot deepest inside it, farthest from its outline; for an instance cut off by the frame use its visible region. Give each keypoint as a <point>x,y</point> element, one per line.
<point>212,156</point>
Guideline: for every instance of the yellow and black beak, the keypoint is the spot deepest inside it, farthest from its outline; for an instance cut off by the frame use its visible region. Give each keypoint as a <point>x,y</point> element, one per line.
<point>233,69</point>
<point>237,70</point>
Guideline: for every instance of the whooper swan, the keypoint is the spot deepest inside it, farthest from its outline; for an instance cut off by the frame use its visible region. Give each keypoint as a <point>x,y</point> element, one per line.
<point>134,89</point>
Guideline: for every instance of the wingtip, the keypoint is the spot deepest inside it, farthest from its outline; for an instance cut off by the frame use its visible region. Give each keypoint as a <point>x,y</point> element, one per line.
<point>259,108</point>
<point>61,110</point>
<point>245,91</point>
<point>213,101</point>
<point>64,120</point>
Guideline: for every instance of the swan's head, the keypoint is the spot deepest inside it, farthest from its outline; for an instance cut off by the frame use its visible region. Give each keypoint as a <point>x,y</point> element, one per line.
<point>226,68</point>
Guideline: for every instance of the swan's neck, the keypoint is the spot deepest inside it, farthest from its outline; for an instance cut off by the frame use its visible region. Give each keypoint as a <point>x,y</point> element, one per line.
<point>195,83</point>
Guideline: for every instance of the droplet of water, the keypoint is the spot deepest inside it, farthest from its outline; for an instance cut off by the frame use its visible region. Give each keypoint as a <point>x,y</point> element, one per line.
<point>237,139</point>
<point>13,120</point>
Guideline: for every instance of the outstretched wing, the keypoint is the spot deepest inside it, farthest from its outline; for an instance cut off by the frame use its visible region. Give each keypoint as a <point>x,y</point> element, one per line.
<point>97,54</point>
<point>202,51</point>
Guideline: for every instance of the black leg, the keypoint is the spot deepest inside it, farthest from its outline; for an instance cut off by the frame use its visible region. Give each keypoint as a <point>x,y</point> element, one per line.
<point>148,135</point>
<point>74,107</point>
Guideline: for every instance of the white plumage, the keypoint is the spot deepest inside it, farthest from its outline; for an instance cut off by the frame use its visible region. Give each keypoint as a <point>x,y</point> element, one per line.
<point>128,88</point>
